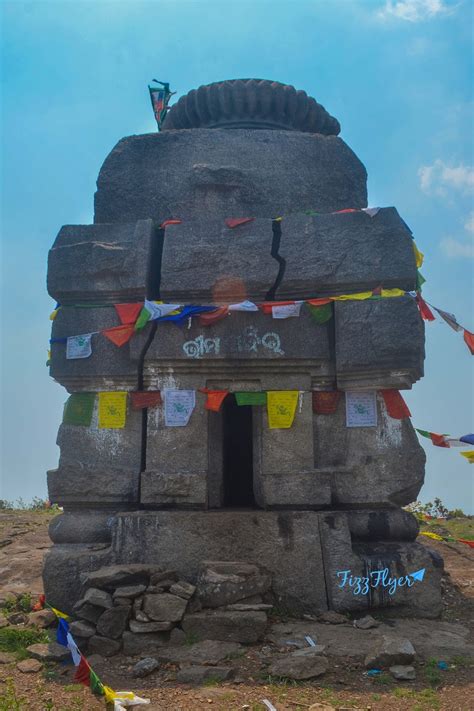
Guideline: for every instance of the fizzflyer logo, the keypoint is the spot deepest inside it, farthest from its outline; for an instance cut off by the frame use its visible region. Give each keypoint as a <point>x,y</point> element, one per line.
<point>377,579</point>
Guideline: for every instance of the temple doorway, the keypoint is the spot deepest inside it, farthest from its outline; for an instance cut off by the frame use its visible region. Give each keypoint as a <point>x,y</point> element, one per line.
<point>237,455</point>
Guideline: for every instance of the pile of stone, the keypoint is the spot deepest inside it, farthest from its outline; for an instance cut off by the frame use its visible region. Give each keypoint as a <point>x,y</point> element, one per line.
<point>138,608</point>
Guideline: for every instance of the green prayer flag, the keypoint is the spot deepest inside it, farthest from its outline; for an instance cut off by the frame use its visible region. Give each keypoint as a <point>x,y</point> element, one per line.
<point>321,314</point>
<point>251,398</point>
<point>78,409</point>
<point>143,319</point>
<point>420,280</point>
<point>96,685</point>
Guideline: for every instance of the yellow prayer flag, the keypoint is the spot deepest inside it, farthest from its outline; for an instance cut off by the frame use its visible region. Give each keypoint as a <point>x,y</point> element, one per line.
<point>431,535</point>
<point>419,256</point>
<point>281,408</point>
<point>348,297</point>
<point>469,456</point>
<point>53,314</point>
<point>387,293</point>
<point>60,614</point>
<point>112,410</point>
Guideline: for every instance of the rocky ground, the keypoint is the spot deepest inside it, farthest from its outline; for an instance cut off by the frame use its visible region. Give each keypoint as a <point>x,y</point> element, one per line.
<point>228,676</point>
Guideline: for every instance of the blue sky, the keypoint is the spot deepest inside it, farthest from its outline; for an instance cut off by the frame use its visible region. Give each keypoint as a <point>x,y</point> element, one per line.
<point>397,76</point>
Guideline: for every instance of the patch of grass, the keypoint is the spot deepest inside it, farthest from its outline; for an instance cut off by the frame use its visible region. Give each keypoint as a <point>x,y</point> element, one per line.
<point>211,681</point>
<point>20,604</point>
<point>401,693</point>
<point>461,661</point>
<point>9,701</point>
<point>376,697</point>
<point>73,687</point>
<point>432,673</point>
<point>425,700</point>
<point>17,640</point>
<point>383,679</point>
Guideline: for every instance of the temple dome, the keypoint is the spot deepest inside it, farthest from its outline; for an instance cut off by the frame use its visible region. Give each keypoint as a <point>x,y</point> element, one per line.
<point>250,103</point>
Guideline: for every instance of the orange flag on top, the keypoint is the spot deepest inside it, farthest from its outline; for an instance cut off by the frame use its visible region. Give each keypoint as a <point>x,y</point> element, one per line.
<point>214,399</point>
<point>128,313</point>
<point>119,334</point>
<point>469,340</point>
<point>395,404</point>
<point>236,221</point>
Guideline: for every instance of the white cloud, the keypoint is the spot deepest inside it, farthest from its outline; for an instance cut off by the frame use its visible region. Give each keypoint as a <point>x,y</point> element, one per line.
<point>454,248</point>
<point>439,178</point>
<point>469,224</point>
<point>414,10</point>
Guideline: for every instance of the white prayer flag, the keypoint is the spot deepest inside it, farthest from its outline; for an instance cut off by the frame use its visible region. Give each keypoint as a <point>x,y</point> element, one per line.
<point>79,346</point>
<point>179,405</point>
<point>159,310</point>
<point>372,211</point>
<point>361,408</point>
<point>287,310</point>
<point>450,319</point>
<point>72,646</point>
<point>243,306</point>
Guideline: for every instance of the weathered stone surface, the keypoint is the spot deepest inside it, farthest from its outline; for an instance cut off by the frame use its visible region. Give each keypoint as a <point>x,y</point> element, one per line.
<point>391,651</point>
<point>113,622</point>
<point>188,488</point>
<point>245,627</point>
<point>195,173</point>
<point>198,674</point>
<point>206,652</point>
<point>83,527</point>
<point>82,629</point>
<point>6,658</point>
<point>206,261</point>
<point>164,607</point>
<point>257,607</point>
<point>144,627</point>
<point>29,666</point>
<point>164,578</point>
<point>3,622</point>
<point>122,602</point>
<point>435,638</point>
<point>141,617</point>
<point>50,652</point>
<point>88,612</point>
<point>18,618</point>
<point>379,344</point>
<point>145,667</point>
<point>114,576</point>
<point>332,618</point>
<point>366,623</point>
<point>177,637</point>
<point>114,262</point>
<point>99,598</point>
<point>403,673</point>
<point>42,618</point>
<point>303,664</point>
<point>183,589</point>
<point>223,582</point>
<point>143,643</point>
<point>104,646</point>
<point>344,253</point>
<point>129,591</point>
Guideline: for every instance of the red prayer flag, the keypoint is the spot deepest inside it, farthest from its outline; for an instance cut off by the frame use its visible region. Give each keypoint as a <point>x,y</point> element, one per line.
<point>82,675</point>
<point>214,399</point>
<point>469,340</point>
<point>267,306</point>
<point>424,309</point>
<point>395,404</point>
<point>438,440</point>
<point>325,403</point>
<point>119,334</point>
<point>128,313</point>
<point>319,302</point>
<point>141,399</point>
<point>211,317</point>
<point>236,221</point>
<point>170,222</point>
<point>40,604</point>
<point>348,209</point>
<point>468,543</point>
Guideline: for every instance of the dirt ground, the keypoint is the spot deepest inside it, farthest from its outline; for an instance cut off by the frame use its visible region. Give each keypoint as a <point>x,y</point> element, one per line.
<point>23,541</point>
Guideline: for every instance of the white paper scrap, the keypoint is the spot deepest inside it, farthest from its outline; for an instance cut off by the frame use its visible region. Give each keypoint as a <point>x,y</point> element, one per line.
<point>361,408</point>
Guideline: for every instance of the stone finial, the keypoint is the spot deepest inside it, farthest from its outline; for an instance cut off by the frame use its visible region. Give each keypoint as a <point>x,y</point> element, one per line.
<point>250,103</point>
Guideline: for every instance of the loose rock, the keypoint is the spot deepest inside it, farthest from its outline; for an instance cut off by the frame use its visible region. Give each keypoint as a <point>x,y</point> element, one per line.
<point>88,612</point>
<point>144,627</point>
<point>143,643</point>
<point>164,607</point>
<point>18,618</point>
<point>199,674</point>
<point>104,646</point>
<point>366,623</point>
<point>113,576</point>
<point>80,628</point>
<point>303,664</point>
<point>207,652</point>
<point>222,583</point>
<point>332,618</point>
<point>113,622</point>
<point>6,658</point>
<point>183,589</point>
<point>51,652</point>
<point>29,666</point>
<point>145,667</point>
<point>129,591</point>
<point>391,651</point>
<point>42,619</point>
<point>403,673</point>
<point>100,598</point>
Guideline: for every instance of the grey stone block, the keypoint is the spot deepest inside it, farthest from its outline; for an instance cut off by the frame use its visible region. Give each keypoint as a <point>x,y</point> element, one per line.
<point>206,652</point>
<point>379,344</point>
<point>300,665</point>
<point>223,582</point>
<point>343,253</point>
<point>83,527</point>
<point>111,577</point>
<point>183,488</point>
<point>145,667</point>
<point>147,627</point>
<point>207,262</point>
<point>164,607</point>
<point>82,629</point>
<point>198,675</point>
<point>113,622</point>
<point>143,643</point>
<point>99,598</point>
<point>129,591</point>
<point>183,589</point>
<point>201,172</point>
<point>100,262</point>
<point>391,651</point>
<point>104,646</point>
<point>88,612</point>
<point>227,626</point>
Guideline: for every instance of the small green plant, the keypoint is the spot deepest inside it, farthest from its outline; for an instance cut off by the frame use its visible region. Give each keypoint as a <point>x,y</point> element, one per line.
<point>461,661</point>
<point>432,674</point>
<point>383,679</point>
<point>73,687</point>
<point>211,681</point>
<point>9,701</point>
<point>16,641</point>
<point>9,605</point>
<point>24,602</point>
<point>376,697</point>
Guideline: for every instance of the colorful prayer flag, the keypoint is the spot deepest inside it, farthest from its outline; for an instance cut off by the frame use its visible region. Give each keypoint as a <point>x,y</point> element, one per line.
<point>237,221</point>
<point>128,313</point>
<point>79,346</point>
<point>429,534</point>
<point>211,317</point>
<point>348,209</point>
<point>319,302</point>
<point>360,296</point>
<point>170,222</point>
<point>62,632</point>
<point>72,646</point>
<point>214,399</point>
<point>267,306</point>
<point>78,409</point>
<point>243,306</point>
<point>112,410</point>
<point>281,408</point>
<point>419,256</point>
<point>141,399</point>
<point>395,404</point>
<point>251,398</point>
<point>449,318</point>
<point>179,406</point>
<point>160,97</point>
<point>372,211</point>
<point>463,540</point>
<point>119,335</point>
<point>391,293</point>
<point>468,455</point>
<point>325,402</point>
<point>423,308</point>
<point>287,311</point>
<point>469,340</point>
<point>158,309</point>
<point>82,672</point>
<point>320,314</point>
<point>468,438</point>
<point>439,440</point>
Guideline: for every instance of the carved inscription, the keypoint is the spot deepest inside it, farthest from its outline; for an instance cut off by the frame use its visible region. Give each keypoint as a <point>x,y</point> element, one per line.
<point>246,342</point>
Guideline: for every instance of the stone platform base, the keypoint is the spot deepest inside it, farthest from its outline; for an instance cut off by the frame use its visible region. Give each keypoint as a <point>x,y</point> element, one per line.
<point>303,550</point>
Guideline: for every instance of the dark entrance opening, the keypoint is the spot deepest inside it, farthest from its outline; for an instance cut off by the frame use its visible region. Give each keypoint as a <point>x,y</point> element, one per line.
<point>237,454</point>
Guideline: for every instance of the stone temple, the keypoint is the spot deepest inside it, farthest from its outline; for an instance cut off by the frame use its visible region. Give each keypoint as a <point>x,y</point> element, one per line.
<point>305,502</point>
